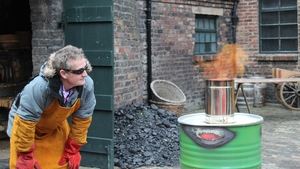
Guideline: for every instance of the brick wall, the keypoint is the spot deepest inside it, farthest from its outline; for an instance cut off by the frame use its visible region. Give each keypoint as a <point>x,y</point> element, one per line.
<point>47,37</point>
<point>129,79</point>
<point>173,29</point>
<point>248,38</point>
<point>173,24</point>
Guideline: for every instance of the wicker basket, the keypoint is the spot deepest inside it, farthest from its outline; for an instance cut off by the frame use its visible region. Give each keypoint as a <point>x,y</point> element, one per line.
<point>167,95</point>
<point>166,91</point>
<point>176,108</point>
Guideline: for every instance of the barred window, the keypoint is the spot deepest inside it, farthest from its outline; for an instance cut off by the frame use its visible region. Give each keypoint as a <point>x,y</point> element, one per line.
<point>278,26</point>
<point>206,34</point>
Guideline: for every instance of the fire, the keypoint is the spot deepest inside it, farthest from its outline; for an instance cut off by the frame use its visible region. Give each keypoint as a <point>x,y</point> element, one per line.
<point>228,63</point>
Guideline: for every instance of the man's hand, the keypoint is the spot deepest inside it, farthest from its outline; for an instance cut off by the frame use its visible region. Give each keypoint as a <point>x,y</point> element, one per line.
<point>26,161</point>
<point>71,155</point>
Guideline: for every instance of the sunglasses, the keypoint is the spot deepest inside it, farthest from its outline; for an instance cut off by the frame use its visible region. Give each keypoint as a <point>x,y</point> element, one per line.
<point>78,71</point>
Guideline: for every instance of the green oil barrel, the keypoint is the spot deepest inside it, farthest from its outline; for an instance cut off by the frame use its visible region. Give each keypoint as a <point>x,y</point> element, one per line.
<point>235,145</point>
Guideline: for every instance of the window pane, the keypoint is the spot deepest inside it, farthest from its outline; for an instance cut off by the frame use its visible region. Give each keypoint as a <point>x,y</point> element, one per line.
<point>214,47</point>
<point>197,38</point>
<point>288,17</point>
<point>288,31</point>
<point>270,4</point>
<point>207,37</point>
<point>269,18</point>
<point>269,31</point>
<point>201,48</point>
<point>289,45</point>
<point>207,47</point>
<point>211,24</point>
<point>206,24</point>
<point>288,3</point>
<point>200,24</point>
<point>269,45</point>
<point>213,37</point>
<point>202,37</point>
<point>197,23</point>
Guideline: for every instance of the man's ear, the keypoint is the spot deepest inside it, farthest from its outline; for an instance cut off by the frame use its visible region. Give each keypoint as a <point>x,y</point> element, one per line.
<point>63,74</point>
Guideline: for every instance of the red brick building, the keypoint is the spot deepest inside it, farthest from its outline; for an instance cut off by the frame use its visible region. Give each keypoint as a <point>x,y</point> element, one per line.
<point>266,30</point>
<point>180,30</point>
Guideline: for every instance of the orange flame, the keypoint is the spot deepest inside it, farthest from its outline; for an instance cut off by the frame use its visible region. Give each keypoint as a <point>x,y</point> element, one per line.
<point>228,63</point>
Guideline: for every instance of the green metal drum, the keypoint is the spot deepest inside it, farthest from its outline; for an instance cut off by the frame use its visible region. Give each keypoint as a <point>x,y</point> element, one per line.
<point>220,146</point>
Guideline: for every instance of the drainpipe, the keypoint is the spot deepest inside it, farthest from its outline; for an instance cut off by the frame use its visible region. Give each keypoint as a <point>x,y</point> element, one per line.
<point>149,46</point>
<point>234,20</point>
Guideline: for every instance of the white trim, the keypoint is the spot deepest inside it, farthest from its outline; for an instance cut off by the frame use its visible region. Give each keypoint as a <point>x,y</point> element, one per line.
<point>208,11</point>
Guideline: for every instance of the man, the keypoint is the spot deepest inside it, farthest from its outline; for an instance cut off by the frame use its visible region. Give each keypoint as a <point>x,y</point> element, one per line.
<point>40,134</point>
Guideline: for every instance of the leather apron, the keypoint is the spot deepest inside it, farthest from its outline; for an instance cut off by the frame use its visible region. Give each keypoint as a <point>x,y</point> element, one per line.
<point>51,133</point>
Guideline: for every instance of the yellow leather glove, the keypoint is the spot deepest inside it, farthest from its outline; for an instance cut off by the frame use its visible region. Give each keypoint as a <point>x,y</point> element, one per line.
<point>79,129</point>
<point>23,132</point>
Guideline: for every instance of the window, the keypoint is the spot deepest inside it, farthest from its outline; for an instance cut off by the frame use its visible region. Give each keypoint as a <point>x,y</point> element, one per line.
<point>278,26</point>
<point>206,35</point>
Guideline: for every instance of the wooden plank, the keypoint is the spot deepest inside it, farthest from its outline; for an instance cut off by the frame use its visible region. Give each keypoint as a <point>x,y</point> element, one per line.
<point>89,14</point>
<point>266,80</point>
<point>284,73</point>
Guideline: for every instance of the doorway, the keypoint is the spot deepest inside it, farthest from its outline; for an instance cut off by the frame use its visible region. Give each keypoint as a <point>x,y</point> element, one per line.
<point>15,53</point>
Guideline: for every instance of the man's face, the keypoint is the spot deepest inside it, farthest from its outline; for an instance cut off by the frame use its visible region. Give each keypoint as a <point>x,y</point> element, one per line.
<point>75,76</point>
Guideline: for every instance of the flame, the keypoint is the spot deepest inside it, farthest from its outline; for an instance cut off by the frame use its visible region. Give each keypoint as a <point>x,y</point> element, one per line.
<point>228,63</point>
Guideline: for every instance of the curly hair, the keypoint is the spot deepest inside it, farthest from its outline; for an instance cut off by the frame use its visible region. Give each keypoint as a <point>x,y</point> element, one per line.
<point>60,60</point>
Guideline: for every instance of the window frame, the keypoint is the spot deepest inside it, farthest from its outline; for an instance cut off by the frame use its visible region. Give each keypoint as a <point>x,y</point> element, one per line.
<point>279,38</point>
<point>206,31</point>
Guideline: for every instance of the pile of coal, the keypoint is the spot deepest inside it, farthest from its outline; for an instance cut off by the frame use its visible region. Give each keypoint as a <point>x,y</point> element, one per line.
<point>145,136</point>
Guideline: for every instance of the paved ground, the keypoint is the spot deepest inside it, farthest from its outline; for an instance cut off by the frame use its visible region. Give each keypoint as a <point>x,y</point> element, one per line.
<point>280,139</point>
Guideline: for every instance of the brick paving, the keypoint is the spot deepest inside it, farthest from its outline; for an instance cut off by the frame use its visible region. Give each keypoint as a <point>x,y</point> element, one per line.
<point>280,139</point>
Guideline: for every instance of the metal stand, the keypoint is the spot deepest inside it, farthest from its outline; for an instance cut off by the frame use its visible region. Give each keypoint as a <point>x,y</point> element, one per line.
<point>240,86</point>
